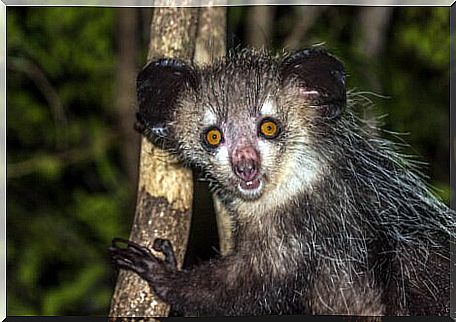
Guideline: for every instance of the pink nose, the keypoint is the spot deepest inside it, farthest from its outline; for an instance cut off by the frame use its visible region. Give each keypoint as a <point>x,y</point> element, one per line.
<point>245,162</point>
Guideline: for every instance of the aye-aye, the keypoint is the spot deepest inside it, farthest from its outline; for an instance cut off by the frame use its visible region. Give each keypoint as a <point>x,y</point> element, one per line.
<point>328,218</point>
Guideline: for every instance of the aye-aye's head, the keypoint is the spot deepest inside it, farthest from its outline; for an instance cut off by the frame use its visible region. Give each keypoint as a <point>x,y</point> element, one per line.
<point>250,121</point>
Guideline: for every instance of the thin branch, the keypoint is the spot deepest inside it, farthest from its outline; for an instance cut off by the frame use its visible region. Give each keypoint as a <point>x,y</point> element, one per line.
<point>37,75</point>
<point>65,158</point>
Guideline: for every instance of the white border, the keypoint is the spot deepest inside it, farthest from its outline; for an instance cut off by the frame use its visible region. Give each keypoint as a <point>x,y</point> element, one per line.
<point>3,160</point>
<point>137,3</point>
<point>199,3</point>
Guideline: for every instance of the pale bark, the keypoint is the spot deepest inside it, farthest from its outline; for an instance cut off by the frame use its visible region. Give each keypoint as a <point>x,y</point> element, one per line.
<point>165,188</point>
<point>259,26</point>
<point>305,18</point>
<point>210,44</point>
<point>211,35</point>
<point>373,24</point>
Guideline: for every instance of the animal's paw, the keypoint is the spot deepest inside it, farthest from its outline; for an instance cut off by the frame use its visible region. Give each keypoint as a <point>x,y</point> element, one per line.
<point>140,259</point>
<point>164,246</point>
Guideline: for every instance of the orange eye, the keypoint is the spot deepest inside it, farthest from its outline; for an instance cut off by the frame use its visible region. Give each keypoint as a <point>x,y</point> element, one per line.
<point>213,137</point>
<point>269,128</point>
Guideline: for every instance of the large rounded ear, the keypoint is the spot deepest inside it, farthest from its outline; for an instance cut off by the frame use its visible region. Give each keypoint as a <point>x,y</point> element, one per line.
<point>159,85</point>
<point>320,77</point>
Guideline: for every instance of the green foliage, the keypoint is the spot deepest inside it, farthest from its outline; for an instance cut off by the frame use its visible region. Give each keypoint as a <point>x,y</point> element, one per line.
<point>415,75</point>
<point>68,193</point>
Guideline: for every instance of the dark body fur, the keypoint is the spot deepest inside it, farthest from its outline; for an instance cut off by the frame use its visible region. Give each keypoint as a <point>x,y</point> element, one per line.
<point>343,224</point>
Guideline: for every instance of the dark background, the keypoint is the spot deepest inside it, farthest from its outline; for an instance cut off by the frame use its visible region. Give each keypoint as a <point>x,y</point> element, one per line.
<point>72,152</point>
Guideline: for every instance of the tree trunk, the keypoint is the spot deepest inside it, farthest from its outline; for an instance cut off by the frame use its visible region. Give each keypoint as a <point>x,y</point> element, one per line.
<point>210,44</point>
<point>165,188</point>
<point>373,24</point>
<point>259,26</point>
<point>305,18</point>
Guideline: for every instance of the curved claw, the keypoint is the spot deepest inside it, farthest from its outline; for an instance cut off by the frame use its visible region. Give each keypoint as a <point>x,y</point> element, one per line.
<point>140,260</point>
<point>134,247</point>
<point>122,262</point>
<point>164,246</point>
<point>133,257</point>
<point>116,240</point>
<point>122,259</point>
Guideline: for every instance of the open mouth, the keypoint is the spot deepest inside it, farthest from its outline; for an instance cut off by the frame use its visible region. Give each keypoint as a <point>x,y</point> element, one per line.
<point>250,185</point>
<point>246,166</point>
<point>251,189</point>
